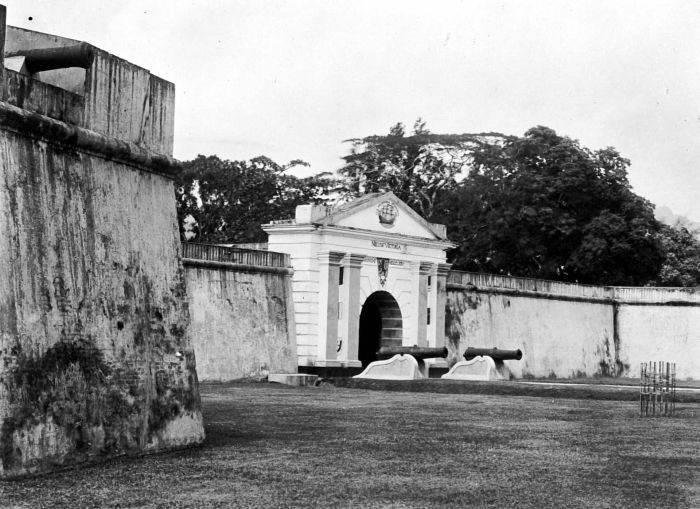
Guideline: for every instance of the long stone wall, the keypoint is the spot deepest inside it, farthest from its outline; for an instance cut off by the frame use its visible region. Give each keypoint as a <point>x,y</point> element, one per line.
<point>95,354</point>
<point>241,310</point>
<point>567,330</point>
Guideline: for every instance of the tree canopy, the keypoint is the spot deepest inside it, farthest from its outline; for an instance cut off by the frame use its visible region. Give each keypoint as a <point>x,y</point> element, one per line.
<point>538,205</point>
<point>226,201</point>
<point>541,205</point>
<point>681,266</point>
<point>419,168</point>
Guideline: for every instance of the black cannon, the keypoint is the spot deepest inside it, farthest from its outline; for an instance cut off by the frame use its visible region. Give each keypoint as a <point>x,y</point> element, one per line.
<point>46,59</point>
<point>418,352</point>
<point>494,353</point>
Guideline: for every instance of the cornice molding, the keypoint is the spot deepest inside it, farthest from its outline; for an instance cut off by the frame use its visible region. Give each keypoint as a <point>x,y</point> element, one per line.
<point>40,127</point>
<point>348,231</point>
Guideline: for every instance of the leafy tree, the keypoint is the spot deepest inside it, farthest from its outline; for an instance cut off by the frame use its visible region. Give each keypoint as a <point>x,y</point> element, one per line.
<point>681,266</point>
<point>543,206</point>
<point>419,168</point>
<point>223,201</point>
<point>420,127</point>
<point>540,205</point>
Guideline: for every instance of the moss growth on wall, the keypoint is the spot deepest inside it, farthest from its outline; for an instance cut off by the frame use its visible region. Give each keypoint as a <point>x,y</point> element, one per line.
<point>610,364</point>
<point>172,399</point>
<point>100,408</point>
<point>71,386</point>
<point>457,306</point>
<point>92,303</point>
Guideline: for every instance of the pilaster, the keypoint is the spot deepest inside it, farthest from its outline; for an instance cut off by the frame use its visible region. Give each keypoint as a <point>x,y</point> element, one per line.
<point>329,266</point>
<point>420,271</point>
<point>350,311</point>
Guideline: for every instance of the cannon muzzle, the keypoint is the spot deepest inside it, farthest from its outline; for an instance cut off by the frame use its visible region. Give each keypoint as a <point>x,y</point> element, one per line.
<point>419,352</point>
<point>494,353</point>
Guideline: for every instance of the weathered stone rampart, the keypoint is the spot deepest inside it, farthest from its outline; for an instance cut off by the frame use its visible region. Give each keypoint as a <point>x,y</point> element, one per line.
<point>115,97</point>
<point>567,330</point>
<point>95,352</point>
<point>240,304</point>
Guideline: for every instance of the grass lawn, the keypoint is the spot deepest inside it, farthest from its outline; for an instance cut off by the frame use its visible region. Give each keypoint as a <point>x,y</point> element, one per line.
<point>275,446</point>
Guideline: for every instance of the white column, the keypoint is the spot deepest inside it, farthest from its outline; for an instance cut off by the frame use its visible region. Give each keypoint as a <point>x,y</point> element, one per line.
<point>327,343</point>
<point>425,272</point>
<point>419,303</point>
<point>432,304</point>
<point>350,310</point>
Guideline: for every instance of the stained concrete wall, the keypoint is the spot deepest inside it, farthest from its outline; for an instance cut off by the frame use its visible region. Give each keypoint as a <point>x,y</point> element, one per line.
<point>568,330</point>
<point>95,355</point>
<point>33,95</point>
<point>657,324</point>
<point>242,319</point>
<point>142,105</point>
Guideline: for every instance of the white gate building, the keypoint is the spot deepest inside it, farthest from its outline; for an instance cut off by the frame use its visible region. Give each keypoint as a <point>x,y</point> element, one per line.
<point>367,274</point>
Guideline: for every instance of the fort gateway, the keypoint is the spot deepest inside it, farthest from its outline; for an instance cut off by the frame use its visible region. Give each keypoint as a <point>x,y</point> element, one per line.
<point>367,274</point>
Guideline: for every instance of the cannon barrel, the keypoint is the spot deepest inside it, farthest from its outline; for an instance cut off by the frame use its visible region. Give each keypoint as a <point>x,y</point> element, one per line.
<point>419,352</point>
<point>46,59</point>
<point>494,353</point>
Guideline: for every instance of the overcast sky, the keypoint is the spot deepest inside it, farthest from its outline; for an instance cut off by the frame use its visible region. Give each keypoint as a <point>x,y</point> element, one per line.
<point>292,79</point>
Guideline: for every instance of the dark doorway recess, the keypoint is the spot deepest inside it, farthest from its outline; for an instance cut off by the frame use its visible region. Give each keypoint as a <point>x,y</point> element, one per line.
<point>380,325</point>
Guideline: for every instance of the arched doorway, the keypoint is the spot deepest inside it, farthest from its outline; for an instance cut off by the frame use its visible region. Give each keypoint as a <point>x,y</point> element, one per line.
<point>380,325</point>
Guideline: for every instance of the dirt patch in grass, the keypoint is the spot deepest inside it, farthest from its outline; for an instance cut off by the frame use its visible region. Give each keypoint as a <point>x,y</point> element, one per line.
<point>276,446</point>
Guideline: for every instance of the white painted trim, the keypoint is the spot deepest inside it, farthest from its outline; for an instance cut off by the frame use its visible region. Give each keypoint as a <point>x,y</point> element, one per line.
<point>348,231</point>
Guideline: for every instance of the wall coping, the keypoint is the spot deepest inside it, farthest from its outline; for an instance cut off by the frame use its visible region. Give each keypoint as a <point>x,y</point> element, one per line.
<point>236,255</point>
<point>547,289</point>
<point>235,267</point>
<point>38,126</point>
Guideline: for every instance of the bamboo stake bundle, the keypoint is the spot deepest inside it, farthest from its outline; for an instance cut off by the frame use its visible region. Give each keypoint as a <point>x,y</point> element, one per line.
<point>657,389</point>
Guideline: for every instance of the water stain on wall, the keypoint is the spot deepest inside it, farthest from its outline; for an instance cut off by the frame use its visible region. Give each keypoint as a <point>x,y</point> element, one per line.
<point>242,326</point>
<point>96,358</point>
<point>574,330</point>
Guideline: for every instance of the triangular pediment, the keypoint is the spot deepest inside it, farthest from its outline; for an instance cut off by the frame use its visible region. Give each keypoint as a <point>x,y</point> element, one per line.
<point>385,213</point>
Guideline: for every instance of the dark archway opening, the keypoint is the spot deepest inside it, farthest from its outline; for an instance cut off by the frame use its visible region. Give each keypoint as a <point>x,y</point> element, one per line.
<point>380,325</point>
